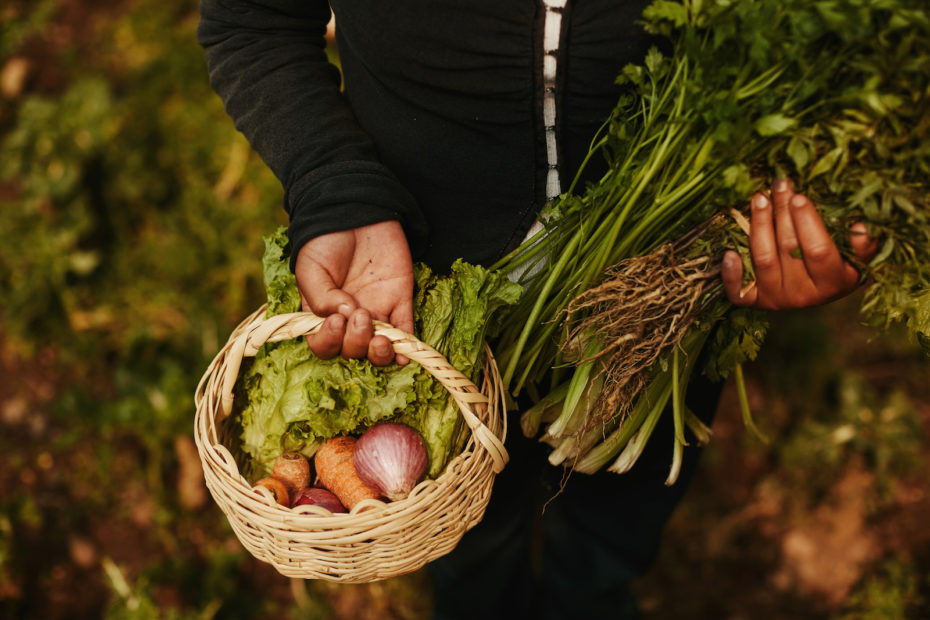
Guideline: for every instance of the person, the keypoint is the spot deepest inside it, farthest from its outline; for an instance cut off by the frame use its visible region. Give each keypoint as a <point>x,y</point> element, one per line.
<point>447,130</point>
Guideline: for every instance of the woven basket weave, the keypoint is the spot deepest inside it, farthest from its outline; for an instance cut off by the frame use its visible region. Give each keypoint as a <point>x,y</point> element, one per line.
<point>376,540</point>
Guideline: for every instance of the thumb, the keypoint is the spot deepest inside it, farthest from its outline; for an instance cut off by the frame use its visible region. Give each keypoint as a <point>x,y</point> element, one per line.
<point>319,292</point>
<point>865,246</point>
<point>731,272</point>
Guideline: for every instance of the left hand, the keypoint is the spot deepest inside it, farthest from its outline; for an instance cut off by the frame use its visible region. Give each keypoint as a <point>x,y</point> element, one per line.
<point>785,280</point>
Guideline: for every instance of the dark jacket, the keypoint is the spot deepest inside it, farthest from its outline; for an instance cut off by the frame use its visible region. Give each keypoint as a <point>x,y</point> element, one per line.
<point>440,122</point>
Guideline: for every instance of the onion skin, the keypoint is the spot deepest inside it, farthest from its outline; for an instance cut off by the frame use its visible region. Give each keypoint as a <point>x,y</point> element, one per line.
<point>277,488</point>
<point>293,469</point>
<point>392,458</point>
<point>318,496</point>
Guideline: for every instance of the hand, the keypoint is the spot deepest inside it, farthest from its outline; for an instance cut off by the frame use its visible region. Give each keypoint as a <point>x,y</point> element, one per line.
<point>784,279</point>
<point>354,276</point>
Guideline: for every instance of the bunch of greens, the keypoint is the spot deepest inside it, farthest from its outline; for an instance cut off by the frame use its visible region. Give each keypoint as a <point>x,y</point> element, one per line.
<point>293,400</point>
<point>834,94</point>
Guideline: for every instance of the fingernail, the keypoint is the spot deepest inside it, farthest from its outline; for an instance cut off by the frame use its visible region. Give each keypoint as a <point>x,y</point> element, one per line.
<point>382,349</point>
<point>779,185</point>
<point>759,201</point>
<point>798,201</point>
<point>361,320</point>
<point>344,309</point>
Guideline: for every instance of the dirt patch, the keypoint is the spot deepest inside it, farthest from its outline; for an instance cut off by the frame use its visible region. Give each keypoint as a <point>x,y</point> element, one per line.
<point>825,554</point>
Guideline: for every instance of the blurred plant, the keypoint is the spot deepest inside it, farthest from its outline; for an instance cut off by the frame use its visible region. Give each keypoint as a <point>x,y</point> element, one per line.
<point>131,218</point>
<point>207,589</point>
<point>134,601</point>
<point>824,410</point>
<point>8,582</point>
<point>138,210</point>
<point>892,593</point>
<point>883,430</point>
<point>22,20</point>
<point>132,239</point>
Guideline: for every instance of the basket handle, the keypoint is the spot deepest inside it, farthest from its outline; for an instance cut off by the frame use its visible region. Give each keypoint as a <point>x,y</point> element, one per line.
<point>297,324</point>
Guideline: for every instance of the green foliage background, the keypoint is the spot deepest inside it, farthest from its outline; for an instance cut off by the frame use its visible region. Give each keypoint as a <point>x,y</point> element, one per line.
<point>131,217</point>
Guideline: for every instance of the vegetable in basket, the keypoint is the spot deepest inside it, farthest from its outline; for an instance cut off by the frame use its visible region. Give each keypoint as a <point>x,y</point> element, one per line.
<point>293,469</point>
<point>392,458</point>
<point>276,488</point>
<point>318,496</point>
<point>335,467</point>
<point>386,461</point>
<point>292,401</point>
<point>834,94</point>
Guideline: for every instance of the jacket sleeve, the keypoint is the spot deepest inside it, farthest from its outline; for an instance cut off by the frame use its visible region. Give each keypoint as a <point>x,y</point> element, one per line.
<point>267,62</point>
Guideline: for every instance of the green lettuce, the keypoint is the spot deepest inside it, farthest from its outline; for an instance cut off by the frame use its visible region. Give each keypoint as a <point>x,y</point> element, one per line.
<point>291,400</point>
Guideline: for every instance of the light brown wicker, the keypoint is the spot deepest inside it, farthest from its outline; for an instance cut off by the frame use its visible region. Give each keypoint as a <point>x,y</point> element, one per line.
<point>376,540</point>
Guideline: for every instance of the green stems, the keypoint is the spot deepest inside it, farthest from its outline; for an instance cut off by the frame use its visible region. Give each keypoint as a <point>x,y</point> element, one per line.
<point>627,441</point>
<point>545,408</point>
<point>745,410</point>
<point>534,316</point>
<point>650,404</point>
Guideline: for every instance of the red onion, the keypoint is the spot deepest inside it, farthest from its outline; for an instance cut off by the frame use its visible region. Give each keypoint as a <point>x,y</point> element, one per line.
<point>391,458</point>
<point>318,496</point>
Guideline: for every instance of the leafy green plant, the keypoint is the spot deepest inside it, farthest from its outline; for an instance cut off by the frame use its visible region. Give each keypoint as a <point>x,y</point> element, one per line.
<point>892,593</point>
<point>131,217</point>
<point>832,93</point>
<point>22,20</point>
<point>857,422</point>
<point>131,241</point>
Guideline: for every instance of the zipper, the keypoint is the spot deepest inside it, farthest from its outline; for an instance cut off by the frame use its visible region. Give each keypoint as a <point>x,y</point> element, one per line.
<point>552,27</point>
<point>552,35</point>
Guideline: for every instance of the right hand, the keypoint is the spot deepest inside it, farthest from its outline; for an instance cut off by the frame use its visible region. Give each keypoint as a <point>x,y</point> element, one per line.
<point>351,277</point>
<point>786,279</point>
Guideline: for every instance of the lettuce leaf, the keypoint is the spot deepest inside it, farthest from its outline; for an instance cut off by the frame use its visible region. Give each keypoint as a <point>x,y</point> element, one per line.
<point>293,400</point>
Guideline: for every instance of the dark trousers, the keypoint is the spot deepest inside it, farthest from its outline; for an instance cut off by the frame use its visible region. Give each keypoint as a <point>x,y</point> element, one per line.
<point>566,551</point>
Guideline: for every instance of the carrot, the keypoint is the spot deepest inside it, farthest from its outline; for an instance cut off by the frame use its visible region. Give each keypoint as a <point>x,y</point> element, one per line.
<point>293,469</point>
<point>335,468</point>
<point>277,488</point>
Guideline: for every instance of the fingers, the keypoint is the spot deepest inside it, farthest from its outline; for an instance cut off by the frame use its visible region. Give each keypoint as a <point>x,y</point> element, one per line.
<point>766,256</point>
<point>402,319</point>
<point>359,332</point>
<point>796,281</point>
<point>795,260</point>
<point>822,259</point>
<point>862,244</point>
<point>731,270</point>
<point>347,329</point>
<point>327,342</point>
<point>320,293</point>
<point>786,235</point>
<point>380,351</point>
<point>353,338</point>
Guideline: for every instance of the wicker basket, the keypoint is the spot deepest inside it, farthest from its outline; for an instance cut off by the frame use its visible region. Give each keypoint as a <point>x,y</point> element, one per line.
<point>376,540</point>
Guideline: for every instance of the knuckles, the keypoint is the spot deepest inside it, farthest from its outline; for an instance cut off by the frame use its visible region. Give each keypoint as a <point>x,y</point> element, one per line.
<point>819,252</point>
<point>765,260</point>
